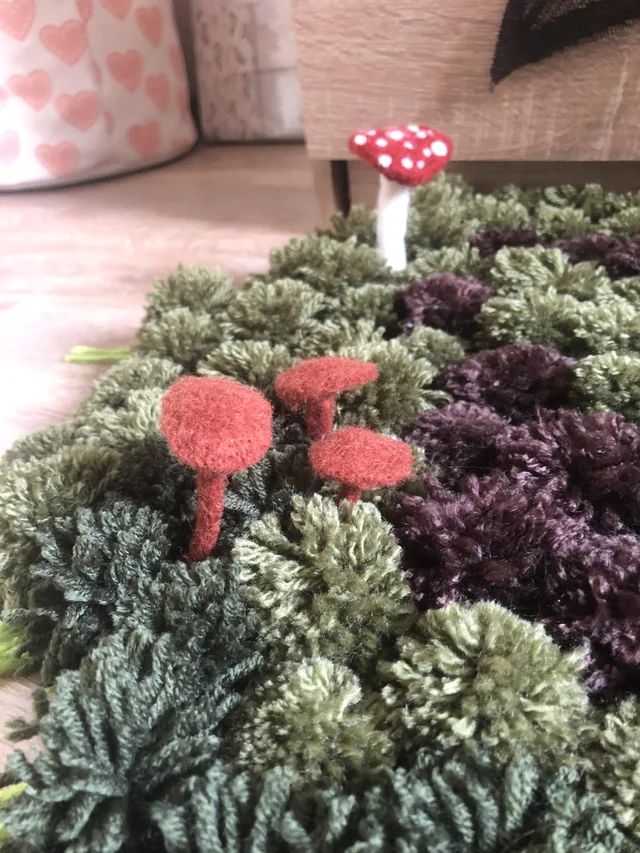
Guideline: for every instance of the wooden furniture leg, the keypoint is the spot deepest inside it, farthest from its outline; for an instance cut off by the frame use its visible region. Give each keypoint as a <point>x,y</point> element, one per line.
<point>331,181</point>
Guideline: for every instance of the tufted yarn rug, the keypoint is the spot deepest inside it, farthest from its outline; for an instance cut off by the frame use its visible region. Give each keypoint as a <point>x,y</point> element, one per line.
<point>453,665</point>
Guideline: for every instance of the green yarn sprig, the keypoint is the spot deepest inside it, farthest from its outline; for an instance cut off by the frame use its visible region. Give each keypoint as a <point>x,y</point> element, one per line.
<point>481,673</point>
<point>327,583</point>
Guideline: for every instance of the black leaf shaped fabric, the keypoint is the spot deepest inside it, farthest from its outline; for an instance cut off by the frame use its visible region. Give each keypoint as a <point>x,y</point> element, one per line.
<point>534,29</point>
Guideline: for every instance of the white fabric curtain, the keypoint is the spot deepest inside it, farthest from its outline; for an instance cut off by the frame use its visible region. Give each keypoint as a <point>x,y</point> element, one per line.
<point>245,66</point>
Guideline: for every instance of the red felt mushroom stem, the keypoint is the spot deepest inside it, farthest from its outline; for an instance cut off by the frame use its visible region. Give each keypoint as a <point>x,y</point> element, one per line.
<point>210,503</point>
<point>318,416</point>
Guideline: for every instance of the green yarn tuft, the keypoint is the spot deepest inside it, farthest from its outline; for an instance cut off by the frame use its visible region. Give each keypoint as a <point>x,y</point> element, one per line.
<point>330,584</point>
<point>609,381</point>
<point>11,649</point>
<point>130,730</point>
<point>255,363</point>
<point>434,345</point>
<point>195,288</point>
<point>482,673</point>
<point>328,265</point>
<point>311,718</point>
<point>613,761</point>
<point>399,395</point>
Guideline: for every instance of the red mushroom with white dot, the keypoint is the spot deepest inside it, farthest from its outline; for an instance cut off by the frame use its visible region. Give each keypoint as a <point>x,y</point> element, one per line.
<point>405,157</point>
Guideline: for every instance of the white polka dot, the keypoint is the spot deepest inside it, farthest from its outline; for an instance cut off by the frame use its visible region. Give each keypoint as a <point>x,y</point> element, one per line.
<point>360,139</point>
<point>407,162</point>
<point>420,164</point>
<point>384,160</point>
<point>381,143</point>
<point>395,134</point>
<point>421,134</point>
<point>426,152</point>
<point>439,148</point>
<point>413,128</point>
<point>408,144</point>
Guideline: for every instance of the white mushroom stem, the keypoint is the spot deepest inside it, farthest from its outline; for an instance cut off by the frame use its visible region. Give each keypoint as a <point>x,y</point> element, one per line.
<point>393,210</point>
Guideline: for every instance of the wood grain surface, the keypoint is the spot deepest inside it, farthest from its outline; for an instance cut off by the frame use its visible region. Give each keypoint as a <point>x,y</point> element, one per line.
<point>75,265</point>
<point>368,63</point>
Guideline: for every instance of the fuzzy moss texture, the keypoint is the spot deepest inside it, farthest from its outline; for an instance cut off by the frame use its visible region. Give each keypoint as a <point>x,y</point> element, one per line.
<point>453,666</point>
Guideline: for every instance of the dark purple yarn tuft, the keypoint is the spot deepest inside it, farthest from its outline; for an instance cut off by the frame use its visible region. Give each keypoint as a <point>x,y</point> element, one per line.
<point>625,261</point>
<point>460,438</point>
<point>593,598</point>
<point>512,379</point>
<point>621,258</point>
<point>444,301</point>
<point>484,540</point>
<point>593,247</point>
<point>596,455</point>
<point>489,242</point>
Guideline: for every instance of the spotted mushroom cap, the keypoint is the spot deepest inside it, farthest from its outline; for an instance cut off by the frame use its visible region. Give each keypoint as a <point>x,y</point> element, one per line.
<point>320,377</point>
<point>411,155</point>
<point>361,458</point>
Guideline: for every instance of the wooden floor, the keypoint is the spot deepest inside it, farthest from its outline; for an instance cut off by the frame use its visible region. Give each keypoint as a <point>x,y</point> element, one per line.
<point>75,265</point>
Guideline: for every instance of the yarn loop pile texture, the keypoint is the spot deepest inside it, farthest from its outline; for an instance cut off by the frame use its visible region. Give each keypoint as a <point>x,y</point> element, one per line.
<point>452,664</point>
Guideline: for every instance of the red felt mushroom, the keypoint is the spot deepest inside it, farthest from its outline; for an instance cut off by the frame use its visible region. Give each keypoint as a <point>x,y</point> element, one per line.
<point>405,157</point>
<point>361,459</point>
<point>312,385</point>
<point>217,427</point>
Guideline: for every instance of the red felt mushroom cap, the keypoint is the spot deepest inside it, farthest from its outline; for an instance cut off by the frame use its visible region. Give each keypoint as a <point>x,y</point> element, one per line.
<point>361,458</point>
<point>411,155</point>
<point>322,377</point>
<point>216,425</point>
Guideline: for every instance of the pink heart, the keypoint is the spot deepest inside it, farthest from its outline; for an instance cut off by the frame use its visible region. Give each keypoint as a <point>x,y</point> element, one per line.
<point>118,8</point>
<point>17,17</point>
<point>67,42</point>
<point>157,86</point>
<point>145,138</point>
<point>60,159</point>
<point>177,62</point>
<point>35,88</point>
<point>85,8</point>
<point>149,20</point>
<point>9,147</point>
<point>126,68</point>
<point>81,109</point>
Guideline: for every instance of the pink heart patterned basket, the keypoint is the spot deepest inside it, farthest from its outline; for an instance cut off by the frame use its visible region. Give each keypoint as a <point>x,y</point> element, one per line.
<point>89,88</point>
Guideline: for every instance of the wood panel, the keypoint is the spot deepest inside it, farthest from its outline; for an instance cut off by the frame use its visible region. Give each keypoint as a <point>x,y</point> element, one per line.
<point>371,63</point>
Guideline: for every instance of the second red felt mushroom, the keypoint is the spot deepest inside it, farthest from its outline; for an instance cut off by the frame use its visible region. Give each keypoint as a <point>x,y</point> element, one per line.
<point>361,459</point>
<point>312,386</point>
<point>217,427</point>
<point>405,156</point>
